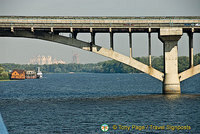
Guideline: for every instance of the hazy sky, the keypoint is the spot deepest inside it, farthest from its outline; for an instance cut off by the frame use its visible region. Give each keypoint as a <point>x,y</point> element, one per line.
<point>20,50</point>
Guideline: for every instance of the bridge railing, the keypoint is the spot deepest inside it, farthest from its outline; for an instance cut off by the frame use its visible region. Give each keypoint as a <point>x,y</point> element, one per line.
<point>98,20</point>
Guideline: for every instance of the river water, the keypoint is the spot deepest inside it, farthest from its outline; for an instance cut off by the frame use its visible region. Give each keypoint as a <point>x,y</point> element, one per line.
<point>81,103</point>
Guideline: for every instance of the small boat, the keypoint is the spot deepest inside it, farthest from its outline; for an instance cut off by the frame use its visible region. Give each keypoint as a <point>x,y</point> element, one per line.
<point>39,73</point>
<point>31,74</point>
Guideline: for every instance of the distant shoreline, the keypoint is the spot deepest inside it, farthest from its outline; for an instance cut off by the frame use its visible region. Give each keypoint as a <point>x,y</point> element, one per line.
<point>5,80</point>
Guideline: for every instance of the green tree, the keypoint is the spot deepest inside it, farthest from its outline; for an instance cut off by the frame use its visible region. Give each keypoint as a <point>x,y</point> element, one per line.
<point>1,69</point>
<point>57,70</point>
<point>3,74</point>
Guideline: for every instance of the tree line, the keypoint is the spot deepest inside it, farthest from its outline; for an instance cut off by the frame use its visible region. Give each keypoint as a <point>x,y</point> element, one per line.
<point>110,66</point>
<point>3,74</point>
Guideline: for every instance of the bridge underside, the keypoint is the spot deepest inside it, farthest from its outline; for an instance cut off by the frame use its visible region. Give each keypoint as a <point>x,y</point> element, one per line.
<point>87,46</point>
<point>170,78</point>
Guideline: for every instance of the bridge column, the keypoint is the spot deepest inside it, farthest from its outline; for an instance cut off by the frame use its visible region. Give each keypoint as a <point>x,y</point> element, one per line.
<point>170,37</point>
<point>111,41</point>
<point>74,35</point>
<point>130,44</point>
<point>92,40</point>
<point>149,40</point>
<point>191,59</point>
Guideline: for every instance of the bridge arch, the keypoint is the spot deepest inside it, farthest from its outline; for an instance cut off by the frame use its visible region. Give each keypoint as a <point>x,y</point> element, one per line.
<point>170,30</point>
<point>88,47</point>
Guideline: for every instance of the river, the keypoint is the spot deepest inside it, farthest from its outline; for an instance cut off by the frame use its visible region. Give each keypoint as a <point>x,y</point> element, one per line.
<point>80,103</point>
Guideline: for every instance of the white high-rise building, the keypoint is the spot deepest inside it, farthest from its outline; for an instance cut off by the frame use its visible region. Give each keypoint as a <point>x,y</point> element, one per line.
<point>41,60</point>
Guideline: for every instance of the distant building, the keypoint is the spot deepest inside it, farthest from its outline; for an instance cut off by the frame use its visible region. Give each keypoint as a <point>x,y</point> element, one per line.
<point>30,74</point>
<point>41,60</point>
<point>49,60</point>
<point>18,74</point>
<point>75,59</point>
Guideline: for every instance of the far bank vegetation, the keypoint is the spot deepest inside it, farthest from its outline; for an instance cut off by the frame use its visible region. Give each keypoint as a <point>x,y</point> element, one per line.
<point>3,74</point>
<point>110,66</point>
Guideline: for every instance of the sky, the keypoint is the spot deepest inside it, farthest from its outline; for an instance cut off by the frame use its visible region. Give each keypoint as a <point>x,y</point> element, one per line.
<point>20,50</point>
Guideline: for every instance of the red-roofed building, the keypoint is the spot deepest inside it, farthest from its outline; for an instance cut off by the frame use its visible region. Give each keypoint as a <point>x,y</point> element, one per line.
<point>18,74</point>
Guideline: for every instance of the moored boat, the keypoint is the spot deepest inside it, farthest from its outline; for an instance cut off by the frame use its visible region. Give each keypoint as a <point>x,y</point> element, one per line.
<point>30,74</point>
<point>39,73</point>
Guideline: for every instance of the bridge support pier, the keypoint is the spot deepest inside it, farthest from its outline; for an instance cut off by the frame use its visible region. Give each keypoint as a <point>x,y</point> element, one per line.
<point>171,83</point>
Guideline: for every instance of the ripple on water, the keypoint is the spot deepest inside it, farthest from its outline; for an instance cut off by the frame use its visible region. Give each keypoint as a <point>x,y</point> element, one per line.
<point>82,106</point>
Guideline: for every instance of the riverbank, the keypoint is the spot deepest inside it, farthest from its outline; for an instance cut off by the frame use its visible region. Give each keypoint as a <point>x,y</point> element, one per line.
<point>5,80</point>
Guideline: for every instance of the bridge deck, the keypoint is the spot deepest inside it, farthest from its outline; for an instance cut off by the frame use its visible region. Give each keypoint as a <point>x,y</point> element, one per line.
<point>99,24</point>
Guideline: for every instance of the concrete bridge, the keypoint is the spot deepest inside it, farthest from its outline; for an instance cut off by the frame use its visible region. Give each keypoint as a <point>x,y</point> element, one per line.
<point>170,30</point>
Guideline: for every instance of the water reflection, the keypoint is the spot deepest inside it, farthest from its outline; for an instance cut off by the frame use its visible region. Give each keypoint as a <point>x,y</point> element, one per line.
<point>172,97</point>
